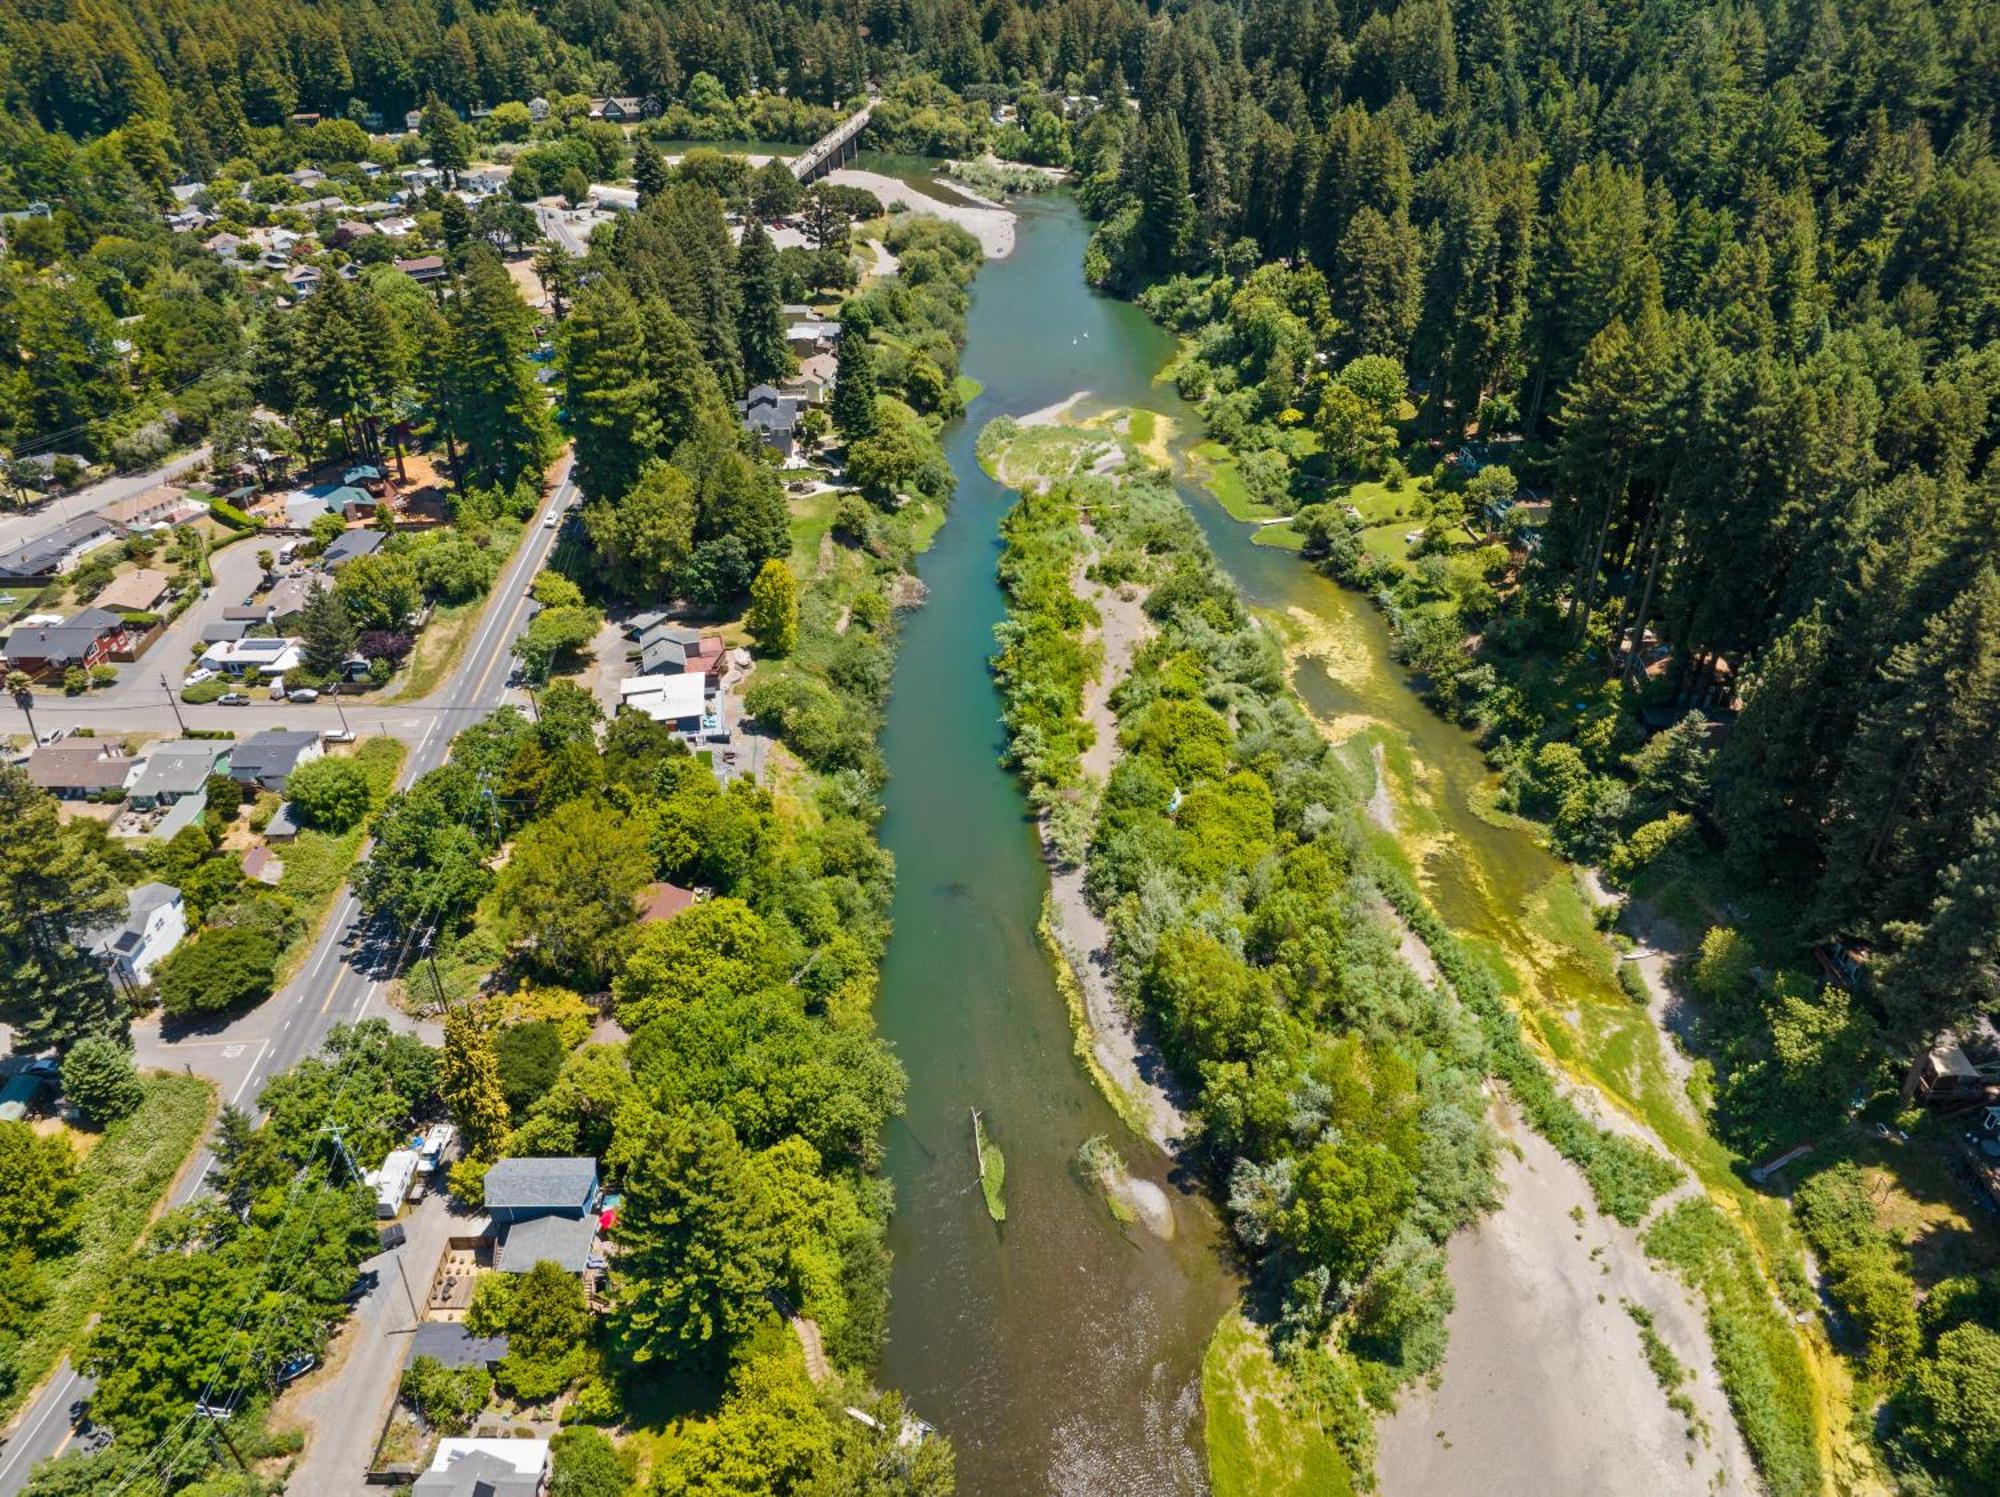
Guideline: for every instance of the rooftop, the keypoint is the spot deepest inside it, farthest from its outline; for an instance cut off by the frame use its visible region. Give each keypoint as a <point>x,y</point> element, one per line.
<point>552,1183</point>
<point>562,1240</point>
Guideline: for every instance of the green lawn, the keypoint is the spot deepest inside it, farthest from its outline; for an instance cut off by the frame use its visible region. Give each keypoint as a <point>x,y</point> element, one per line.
<point>812,518</point>
<point>123,1178</point>
<point>1284,537</point>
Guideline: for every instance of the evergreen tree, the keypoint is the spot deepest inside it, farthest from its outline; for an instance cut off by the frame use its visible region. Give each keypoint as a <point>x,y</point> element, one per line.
<point>1166,209</point>
<point>498,410</point>
<point>54,892</point>
<point>327,632</point>
<point>649,171</point>
<point>853,402</point>
<point>609,391</point>
<point>760,314</point>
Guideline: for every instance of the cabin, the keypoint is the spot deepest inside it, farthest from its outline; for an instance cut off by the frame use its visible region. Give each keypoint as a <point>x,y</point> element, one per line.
<point>155,923</point>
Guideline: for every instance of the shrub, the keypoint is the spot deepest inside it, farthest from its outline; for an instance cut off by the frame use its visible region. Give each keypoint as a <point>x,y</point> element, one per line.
<point>99,1077</point>
<point>230,515</point>
<point>331,794</point>
<point>529,1056</point>
<point>1657,843</point>
<point>218,970</point>
<point>205,691</point>
<point>448,1398</point>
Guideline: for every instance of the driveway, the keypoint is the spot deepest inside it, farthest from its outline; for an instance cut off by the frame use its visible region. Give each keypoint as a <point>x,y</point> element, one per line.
<point>344,1404</point>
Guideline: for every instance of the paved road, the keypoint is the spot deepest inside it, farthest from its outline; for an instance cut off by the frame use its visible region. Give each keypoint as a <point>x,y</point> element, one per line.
<point>353,1393</point>
<point>19,527</point>
<point>349,963</point>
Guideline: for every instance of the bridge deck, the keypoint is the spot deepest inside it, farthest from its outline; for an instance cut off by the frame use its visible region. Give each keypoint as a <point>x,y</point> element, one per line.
<point>828,147</point>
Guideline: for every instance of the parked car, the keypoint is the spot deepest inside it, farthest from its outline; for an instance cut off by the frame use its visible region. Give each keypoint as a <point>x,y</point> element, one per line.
<point>234,699</point>
<point>199,675</point>
<point>303,694</point>
<point>337,735</point>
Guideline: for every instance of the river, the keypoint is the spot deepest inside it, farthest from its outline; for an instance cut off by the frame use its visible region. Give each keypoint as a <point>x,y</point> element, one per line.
<point>1061,1353</point>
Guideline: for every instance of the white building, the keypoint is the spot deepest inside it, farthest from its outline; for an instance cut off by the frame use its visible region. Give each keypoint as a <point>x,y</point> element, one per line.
<point>677,701</point>
<point>155,923</point>
<point>489,1468</point>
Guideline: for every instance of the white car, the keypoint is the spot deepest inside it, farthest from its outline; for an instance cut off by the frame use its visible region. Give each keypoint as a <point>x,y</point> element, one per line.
<point>550,522</point>
<point>302,694</point>
<point>198,676</point>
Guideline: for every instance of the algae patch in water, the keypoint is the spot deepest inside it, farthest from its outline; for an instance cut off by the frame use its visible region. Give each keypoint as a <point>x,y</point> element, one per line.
<point>992,1170</point>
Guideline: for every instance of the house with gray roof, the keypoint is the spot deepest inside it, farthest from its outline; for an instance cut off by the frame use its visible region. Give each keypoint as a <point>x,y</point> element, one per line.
<point>267,759</point>
<point>485,1468</point>
<point>565,1241</point>
<point>80,767</point>
<point>177,768</point>
<point>352,543</point>
<point>154,924</point>
<point>773,417</point>
<point>449,1342</point>
<point>519,1190</point>
<point>55,553</point>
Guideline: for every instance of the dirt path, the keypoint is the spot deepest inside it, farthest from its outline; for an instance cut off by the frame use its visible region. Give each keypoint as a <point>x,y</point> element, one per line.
<point>1133,1066</point>
<point>1545,1386</point>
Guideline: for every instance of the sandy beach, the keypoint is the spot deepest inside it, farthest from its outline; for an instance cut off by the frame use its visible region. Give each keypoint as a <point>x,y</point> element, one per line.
<point>1545,1387</point>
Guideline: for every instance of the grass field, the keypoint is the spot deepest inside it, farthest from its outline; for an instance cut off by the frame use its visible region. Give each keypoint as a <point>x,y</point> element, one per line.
<point>123,1178</point>
<point>1257,1447</point>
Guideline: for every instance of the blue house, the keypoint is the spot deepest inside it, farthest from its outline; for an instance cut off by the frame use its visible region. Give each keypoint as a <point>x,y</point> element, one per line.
<point>519,1190</point>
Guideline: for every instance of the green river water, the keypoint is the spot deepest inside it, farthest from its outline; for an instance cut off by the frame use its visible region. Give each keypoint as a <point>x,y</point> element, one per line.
<point>1061,1352</point>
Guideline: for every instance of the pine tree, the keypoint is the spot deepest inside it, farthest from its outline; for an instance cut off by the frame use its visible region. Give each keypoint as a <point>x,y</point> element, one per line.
<point>649,171</point>
<point>469,1083</point>
<point>611,396</point>
<point>53,893</point>
<point>501,414</point>
<point>1166,211</point>
<point>853,402</point>
<point>760,311</point>
<point>326,631</point>
<point>1945,968</point>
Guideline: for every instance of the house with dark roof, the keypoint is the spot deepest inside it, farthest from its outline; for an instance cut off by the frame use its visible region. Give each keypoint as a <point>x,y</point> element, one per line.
<point>154,924</point>
<point>178,768</point>
<point>225,631</point>
<point>267,759</point>
<point>425,270</point>
<point>669,654</point>
<point>449,1342</point>
<point>55,553</point>
<point>80,767</point>
<point>88,638</point>
<point>523,1189</point>
<point>773,417</point>
<point>349,544</point>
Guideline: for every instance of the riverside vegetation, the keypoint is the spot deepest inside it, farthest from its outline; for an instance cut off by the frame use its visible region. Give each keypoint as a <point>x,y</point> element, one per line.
<point>1337,1097</point>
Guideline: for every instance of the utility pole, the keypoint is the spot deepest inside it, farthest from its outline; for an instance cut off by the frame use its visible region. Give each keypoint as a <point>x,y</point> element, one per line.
<point>174,703</point>
<point>430,961</point>
<point>219,1420</point>
<point>345,730</point>
<point>408,1293</point>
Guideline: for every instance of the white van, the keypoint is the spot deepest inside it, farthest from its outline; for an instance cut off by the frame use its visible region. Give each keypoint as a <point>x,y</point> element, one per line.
<point>277,688</point>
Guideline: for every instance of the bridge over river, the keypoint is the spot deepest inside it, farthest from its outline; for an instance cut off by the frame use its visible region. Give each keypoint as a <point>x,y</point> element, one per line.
<point>832,150</point>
